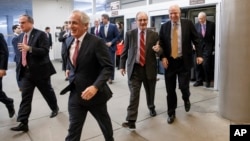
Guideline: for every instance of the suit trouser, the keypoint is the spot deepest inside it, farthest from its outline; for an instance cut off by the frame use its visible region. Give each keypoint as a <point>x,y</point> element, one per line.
<point>112,56</point>
<point>176,70</point>
<point>137,78</point>
<point>3,98</point>
<point>29,84</point>
<point>77,116</point>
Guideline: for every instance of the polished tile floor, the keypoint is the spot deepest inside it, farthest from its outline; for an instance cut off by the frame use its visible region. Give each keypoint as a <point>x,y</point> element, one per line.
<point>201,123</point>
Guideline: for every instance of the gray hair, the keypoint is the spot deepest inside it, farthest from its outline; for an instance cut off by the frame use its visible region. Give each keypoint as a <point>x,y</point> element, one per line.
<point>84,17</point>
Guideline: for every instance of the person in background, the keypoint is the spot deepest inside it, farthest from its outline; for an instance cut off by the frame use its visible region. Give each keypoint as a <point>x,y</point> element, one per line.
<point>206,30</point>
<point>34,70</point>
<point>47,31</point>
<point>140,49</point>
<point>4,54</point>
<point>96,28</point>
<point>110,34</point>
<point>89,68</point>
<point>16,30</point>
<point>176,38</point>
<point>120,45</point>
<point>63,35</point>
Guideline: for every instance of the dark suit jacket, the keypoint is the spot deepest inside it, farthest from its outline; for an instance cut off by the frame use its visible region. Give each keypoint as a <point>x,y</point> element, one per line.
<point>4,53</point>
<point>38,60</point>
<point>129,53</point>
<point>62,39</point>
<point>50,40</point>
<point>189,37</point>
<point>93,67</point>
<point>112,35</point>
<point>15,47</point>
<point>208,41</point>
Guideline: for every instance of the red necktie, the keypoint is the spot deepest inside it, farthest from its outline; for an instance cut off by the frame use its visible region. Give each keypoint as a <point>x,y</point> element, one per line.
<point>142,49</point>
<point>24,52</point>
<point>75,52</point>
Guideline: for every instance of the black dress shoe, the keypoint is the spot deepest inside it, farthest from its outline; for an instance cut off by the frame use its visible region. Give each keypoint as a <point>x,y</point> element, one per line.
<point>196,84</point>
<point>130,125</point>
<point>152,112</point>
<point>21,127</point>
<point>187,105</point>
<point>11,109</point>
<point>171,119</point>
<point>54,113</point>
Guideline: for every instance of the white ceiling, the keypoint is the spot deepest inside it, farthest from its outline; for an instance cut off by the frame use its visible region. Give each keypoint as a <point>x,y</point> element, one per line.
<point>15,8</point>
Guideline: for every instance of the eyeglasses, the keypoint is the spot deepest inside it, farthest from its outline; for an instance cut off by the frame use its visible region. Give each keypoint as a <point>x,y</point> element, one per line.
<point>140,20</point>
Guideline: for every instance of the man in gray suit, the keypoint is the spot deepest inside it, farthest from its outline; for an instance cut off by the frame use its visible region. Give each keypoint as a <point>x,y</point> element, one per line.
<point>140,48</point>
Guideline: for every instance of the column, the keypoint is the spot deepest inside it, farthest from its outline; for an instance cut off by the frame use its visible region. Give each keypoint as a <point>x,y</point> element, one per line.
<point>234,94</point>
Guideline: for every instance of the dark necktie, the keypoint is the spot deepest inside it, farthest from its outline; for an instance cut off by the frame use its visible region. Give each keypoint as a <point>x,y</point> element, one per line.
<point>142,49</point>
<point>24,52</point>
<point>75,52</point>
<point>96,31</point>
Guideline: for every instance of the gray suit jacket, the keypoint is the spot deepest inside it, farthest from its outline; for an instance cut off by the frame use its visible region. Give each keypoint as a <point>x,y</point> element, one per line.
<point>129,53</point>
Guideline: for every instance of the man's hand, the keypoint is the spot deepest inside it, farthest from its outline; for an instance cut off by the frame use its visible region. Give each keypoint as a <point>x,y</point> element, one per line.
<point>156,47</point>
<point>123,71</point>
<point>164,62</point>
<point>89,92</point>
<point>2,73</point>
<point>199,60</point>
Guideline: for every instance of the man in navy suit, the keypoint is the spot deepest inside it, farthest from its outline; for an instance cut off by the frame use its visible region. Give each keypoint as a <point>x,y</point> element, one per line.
<point>34,70</point>
<point>47,31</point>
<point>17,30</point>
<point>110,34</point>
<point>206,30</point>
<point>88,69</point>
<point>96,28</point>
<point>176,38</point>
<point>63,35</point>
<point>4,54</point>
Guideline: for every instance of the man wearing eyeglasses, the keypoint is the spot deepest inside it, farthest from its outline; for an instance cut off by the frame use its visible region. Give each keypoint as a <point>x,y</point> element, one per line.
<point>140,49</point>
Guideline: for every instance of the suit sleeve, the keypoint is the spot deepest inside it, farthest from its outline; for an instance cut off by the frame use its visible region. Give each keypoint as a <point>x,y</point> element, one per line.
<point>102,54</point>
<point>195,39</point>
<point>4,53</point>
<point>124,54</point>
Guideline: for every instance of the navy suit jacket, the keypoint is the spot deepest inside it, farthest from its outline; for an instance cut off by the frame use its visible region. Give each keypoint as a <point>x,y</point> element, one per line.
<point>93,67</point>
<point>38,60</point>
<point>62,39</point>
<point>4,53</point>
<point>15,47</point>
<point>129,53</point>
<point>189,37</point>
<point>112,35</point>
<point>208,41</point>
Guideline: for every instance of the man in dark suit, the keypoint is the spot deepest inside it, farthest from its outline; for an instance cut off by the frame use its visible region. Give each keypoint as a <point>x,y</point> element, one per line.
<point>89,67</point>
<point>96,28</point>
<point>34,70</point>
<point>17,30</point>
<point>47,31</point>
<point>110,34</point>
<point>140,48</point>
<point>176,38</point>
<point>4,54</point>
<point>206,30</point>
<point>63,35</point>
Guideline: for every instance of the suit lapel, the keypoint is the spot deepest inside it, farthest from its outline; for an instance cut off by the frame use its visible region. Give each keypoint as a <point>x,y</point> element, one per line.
<point>32,34</point>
